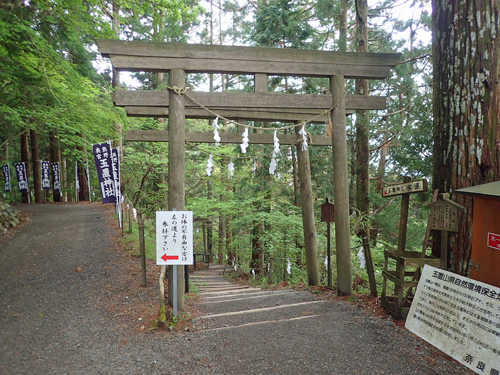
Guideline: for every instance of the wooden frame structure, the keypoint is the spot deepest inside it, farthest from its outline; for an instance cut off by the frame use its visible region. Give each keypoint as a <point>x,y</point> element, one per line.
<point>179,59</point>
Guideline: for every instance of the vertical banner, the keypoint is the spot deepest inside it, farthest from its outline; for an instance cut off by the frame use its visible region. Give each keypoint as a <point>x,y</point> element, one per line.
<point>115,158</point>
<point>22,179</point>
<point>103,164</point>
<point>56,177</point>
<point>6,177</point>
<point>45,175</point>
<point>87,176</point>
<point>174,237</point>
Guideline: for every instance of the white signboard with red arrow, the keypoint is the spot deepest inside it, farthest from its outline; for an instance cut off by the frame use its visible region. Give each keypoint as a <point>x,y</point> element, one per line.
<point>174,237</point>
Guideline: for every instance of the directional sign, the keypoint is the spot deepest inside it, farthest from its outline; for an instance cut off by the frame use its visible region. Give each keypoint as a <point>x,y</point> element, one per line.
<point>405,188</point>
<point>174,237</point>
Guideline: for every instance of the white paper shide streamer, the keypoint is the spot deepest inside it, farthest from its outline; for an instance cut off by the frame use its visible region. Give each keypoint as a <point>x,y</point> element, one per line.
<point>361,257</point>
<point>210,165</point>
<point>254,168</point>
<point>134,211</point>
<point>303,133</point>
<point>230,168</point>
<point>276,151</point>
<point>244,140</point>
<point>288,267</point>
<point>216,132</point>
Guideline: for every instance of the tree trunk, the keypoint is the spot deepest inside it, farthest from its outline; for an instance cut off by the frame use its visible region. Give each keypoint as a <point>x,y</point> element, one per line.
<point>308,222</point>
<point>363,148</point>
<point>37,170</point>
<point>54,158</point>
<point>466,56</point>
<point>82,177</point>
<point>25,160</point>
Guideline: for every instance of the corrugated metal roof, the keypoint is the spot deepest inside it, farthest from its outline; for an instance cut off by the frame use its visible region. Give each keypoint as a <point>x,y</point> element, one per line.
<point>487,190</point>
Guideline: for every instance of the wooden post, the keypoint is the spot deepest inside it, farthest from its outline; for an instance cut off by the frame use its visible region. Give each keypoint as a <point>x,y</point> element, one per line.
<point>309,224</point>
<point>205,242</point>
<point>176,167</point>
<point>341,188</point>
<point>270,273</point>
<point>142,246</point>
<point>130,217</point>
<point>403,221</point>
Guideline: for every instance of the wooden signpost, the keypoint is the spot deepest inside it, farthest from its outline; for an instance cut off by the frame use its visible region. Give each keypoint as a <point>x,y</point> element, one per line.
<point>328,216</point>
<point>179,59</point>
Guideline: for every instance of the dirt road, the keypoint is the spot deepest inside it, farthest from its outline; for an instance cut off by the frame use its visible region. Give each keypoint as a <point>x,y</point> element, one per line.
<point>65,310</point>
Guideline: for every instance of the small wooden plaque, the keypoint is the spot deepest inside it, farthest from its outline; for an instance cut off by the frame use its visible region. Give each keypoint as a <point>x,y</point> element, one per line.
<point>444,216</point>
<point>328,212</point>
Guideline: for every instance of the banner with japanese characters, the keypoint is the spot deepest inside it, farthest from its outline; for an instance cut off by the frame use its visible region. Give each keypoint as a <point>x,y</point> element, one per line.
<point>459,316</point>
<point>45,175</point>
<point>6,177</point>
<point>22,178</point>
<point>115,160</point>
<point>103,164</point>
<point>56,177</point>
<point>174,237</point>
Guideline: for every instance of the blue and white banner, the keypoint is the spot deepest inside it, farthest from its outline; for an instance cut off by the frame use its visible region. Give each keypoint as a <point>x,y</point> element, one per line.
<point>56,177</point>
<point>22,178</point>
<point>45,175</point>
<point>6,177</point>
<point>103,164</point>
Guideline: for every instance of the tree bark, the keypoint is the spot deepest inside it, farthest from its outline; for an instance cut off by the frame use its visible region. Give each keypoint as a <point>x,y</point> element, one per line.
<point>308,222</point>
<point>37,170</point>
<point>363,148</point>
<point>466,57</point>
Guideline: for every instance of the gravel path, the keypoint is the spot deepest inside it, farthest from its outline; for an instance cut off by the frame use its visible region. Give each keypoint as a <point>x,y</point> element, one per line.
<point>70,303</point>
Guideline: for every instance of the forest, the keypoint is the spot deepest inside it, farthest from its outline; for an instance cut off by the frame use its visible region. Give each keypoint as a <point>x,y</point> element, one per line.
<point>440,124</point>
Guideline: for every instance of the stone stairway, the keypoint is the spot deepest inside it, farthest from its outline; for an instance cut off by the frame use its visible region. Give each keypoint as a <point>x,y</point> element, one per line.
<point>228,305</point>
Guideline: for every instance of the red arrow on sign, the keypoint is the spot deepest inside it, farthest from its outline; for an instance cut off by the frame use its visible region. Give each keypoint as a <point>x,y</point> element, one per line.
<point>166,257</point>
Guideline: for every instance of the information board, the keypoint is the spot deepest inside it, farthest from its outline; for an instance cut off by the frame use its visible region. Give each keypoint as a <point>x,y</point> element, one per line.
<point>174,237</point>
<point>459,316</point>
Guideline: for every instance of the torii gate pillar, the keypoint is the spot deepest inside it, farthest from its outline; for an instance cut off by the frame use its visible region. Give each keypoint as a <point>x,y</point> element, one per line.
<point>176,166</point>
<point>341,187</point>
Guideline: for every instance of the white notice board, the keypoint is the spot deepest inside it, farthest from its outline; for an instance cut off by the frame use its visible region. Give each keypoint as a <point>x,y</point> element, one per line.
<point>459,316</point>
<point>174,237</point>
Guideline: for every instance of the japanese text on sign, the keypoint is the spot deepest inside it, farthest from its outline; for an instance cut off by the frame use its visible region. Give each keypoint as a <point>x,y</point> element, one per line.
<point>459,316</point>
<point>22,178</point>
<point>56,177</point>
<point>102,156</point>
<point>6,176</point>
<point>45,175</point>
<point>174,237</point>
<point>494,240</point>
<point>405,188</point>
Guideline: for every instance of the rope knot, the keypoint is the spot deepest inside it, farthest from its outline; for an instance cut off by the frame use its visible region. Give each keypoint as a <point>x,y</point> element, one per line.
<point>178,90</point>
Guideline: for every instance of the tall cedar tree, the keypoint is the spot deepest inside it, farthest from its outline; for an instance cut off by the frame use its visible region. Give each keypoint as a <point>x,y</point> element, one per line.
<point>466,106</point>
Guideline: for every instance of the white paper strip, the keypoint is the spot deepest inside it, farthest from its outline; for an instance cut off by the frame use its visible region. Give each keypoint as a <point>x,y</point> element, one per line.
<point>244,144</point>
<point>216,132</point>
<point>303,133</point>
<point>210,165</point>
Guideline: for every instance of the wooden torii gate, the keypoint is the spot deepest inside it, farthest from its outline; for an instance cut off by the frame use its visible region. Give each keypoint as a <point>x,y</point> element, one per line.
<point>179,59</point>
